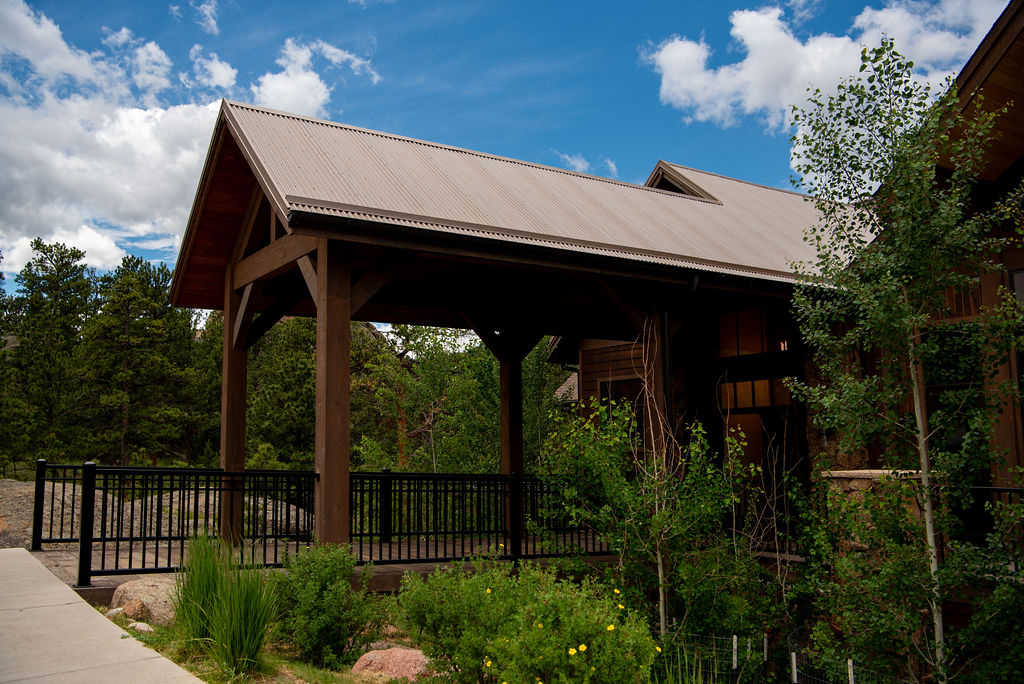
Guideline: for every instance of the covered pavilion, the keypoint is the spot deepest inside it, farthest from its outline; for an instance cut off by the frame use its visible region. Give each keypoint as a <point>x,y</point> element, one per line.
<point>296,216</point>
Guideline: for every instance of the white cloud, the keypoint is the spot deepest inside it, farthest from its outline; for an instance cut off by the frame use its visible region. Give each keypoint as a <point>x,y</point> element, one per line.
<point>103,150</point>
<point>299,87</point>
<point>802,10</point>
<point>778,67</point>
<point>174,11</point>
<point>151,68</point>
<point>576,162</point>
<point>613,169</point>
<point>206,15</point>
<point>117,39</point>
<point>212,71</point>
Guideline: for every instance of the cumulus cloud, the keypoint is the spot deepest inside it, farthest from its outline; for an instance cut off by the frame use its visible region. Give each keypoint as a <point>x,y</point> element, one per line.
<point>299,87</point>
<point>103,150</point>
<point>206,15</point>
<point>210,72</point>
<point>778,66</point>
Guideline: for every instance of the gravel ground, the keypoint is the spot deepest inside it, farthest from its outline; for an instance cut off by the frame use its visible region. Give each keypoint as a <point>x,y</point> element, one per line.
<point>16,513</point>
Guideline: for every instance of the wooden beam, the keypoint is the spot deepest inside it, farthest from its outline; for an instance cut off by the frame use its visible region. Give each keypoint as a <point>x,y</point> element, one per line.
<point>632,313</point>
<point>273,259</point>
<point>232,415</point>
<point>333,340</point>
<point>308,267</point>
<point>243,319</point>
<point>247,236</point>
<point>368,286</point>
<point>266,320</point>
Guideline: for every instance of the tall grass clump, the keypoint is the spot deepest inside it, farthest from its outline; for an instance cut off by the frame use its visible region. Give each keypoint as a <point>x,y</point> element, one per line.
<point>222,608</point>
<point>678,666</point>
<point>240,618</point>
<point>198,584</point>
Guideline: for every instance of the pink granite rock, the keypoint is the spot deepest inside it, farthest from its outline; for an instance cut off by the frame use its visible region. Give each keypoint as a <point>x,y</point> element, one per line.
<point>397,662</point>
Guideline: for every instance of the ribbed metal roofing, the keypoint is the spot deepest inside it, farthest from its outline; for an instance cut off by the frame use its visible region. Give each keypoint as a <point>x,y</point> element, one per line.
<point>336,170</point>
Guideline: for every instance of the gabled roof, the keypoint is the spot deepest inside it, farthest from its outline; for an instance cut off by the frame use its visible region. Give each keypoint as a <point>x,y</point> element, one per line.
<point>323,171</point>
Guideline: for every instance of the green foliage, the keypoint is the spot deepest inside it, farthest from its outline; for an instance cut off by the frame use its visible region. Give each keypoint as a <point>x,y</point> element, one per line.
<point>197,588</point>
<point>899,238</point>
<point>320,612</point>
<point>664,517</point>
<point>682,665</point>
<point>222,607</point>
<point>240,619</point>
<point>488,625</point>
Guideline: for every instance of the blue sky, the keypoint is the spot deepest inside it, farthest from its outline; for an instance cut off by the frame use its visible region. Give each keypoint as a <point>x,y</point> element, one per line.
<point>106,108</point>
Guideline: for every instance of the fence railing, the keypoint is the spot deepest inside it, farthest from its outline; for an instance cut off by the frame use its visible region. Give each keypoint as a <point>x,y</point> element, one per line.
<point>137,520</point>
<point>419,517</point>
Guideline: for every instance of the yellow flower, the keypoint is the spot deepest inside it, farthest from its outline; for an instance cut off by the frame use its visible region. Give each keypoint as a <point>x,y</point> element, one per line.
<point>620,605</point>
<point>658,649</point>
<point>611,628</point>
<point>572,651</point>
<point>583,647</point>
<point>488,663</point>
<point>488,590</point>
<point>615,590</point>
<point>540,625</point>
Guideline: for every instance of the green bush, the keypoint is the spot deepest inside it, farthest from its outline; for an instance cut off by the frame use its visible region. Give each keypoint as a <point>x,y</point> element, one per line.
<point>320,612</point>
<point>491,626</point>
<point>198,583</point>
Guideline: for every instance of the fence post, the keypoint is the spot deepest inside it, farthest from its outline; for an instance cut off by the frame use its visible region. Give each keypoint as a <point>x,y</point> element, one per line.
<point>86,519</point>
<point>37,506</point>
<point>515,516</point>
<point>735,655</point>
<point>386,521</point>
<point>849,670</point>
<point>792,664</point>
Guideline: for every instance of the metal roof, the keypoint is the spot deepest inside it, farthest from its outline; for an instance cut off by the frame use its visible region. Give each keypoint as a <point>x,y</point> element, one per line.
<point>329,169</point>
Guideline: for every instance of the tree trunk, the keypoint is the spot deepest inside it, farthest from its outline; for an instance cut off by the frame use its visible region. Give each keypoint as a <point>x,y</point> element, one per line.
<point>929,519</point>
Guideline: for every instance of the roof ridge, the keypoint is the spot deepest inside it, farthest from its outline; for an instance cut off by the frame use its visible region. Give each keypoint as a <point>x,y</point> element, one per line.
<point>462,150</point>
<point>739,180</point>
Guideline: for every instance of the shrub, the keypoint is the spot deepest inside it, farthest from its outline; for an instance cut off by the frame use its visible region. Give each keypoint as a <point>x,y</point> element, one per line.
<point>198,583</point>
<point>491,626</point>
<point>321,613</point>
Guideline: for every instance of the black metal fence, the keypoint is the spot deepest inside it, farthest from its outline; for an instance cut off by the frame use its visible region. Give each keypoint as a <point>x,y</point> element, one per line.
<point>420,517</point>
<point>137,520</point>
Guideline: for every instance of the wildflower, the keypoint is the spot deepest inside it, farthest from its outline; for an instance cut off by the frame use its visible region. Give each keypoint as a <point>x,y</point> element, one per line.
<point>488,590</point>
<point>658,649</point>
<point>615,590</point>
<point>620,605</point>
<point>488,663</point>
<point>583,647</point>
<point>540,625</point>
<point>611,628</point>
<point>572,651</point>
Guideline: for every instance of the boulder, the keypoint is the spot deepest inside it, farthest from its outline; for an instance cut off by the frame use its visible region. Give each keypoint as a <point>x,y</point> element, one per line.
<point>151,595</point>
<point>140,627</point>
<point>397,662</point>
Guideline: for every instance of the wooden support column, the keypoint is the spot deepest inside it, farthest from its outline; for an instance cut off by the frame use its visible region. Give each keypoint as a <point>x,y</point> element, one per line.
<point>658,380</point>
<point>510,378</point>
<point>232,414</point>
<point>333,339</point>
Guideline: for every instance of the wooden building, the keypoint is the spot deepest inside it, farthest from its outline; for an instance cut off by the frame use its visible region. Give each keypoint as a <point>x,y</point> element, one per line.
<point>682,284</point>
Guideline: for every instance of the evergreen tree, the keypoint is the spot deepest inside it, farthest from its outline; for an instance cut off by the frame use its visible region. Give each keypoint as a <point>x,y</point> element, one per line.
<point>55,297</point>
<point>136,350</point>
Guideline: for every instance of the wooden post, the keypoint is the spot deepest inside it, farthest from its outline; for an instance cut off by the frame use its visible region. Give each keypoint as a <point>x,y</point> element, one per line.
<point>232,415</point>
<point>333,340</point>
<point>510,376</point>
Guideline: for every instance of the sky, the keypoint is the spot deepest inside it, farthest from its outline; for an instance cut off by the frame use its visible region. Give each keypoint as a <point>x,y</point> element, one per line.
<point>107,108</point>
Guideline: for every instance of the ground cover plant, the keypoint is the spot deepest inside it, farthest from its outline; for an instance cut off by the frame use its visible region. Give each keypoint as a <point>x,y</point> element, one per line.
<point>482,623</point>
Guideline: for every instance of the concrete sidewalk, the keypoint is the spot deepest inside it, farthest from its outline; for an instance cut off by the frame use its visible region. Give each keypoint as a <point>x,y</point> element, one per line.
<point>49,634</point>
